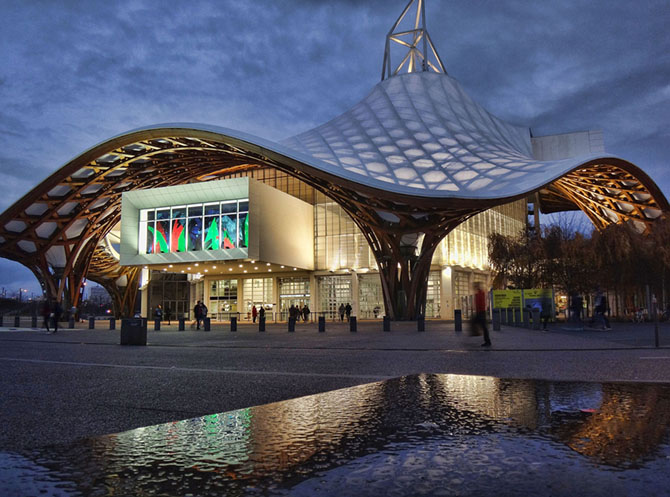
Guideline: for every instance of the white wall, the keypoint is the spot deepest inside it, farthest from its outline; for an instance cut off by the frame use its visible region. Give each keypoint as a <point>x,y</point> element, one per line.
<point>281,227</point>
<point>568,145</point>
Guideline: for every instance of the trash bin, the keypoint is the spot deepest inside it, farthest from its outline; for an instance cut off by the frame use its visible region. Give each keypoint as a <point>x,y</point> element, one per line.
<point>133,331</point>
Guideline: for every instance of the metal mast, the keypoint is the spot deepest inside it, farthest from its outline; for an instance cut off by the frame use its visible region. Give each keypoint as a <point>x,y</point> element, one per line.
<point>420,53</point>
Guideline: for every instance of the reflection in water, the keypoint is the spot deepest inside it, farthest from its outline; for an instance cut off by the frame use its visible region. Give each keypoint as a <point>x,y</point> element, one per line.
<point>416,434</point>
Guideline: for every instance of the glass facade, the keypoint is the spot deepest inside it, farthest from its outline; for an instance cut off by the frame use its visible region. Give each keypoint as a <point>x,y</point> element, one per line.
<point>370,296</point>
<point>222,298</point>
<point>338,245</point>
<point>211,226</point>
<point>333,291</point>
<point>171,292</point>
<point>293,291</point>
<point>338,242</point>
<point>467,245</point>
<point>257,291</point>
<point>433,295</point>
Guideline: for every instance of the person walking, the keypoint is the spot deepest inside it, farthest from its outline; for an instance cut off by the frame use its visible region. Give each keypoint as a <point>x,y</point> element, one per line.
<point>254,314</point>
<point>341,312</point>
<point>305,313</point>
<point>347,310</point>
<point>168,314</point>
<point>601,309</point>
<point>480,313</point>
<point>56,311</point>
<point>576,305</point>
<point>46,314</point>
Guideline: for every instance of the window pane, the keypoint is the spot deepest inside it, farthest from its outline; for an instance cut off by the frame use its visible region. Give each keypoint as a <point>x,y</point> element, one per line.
<point>178,236</point>
<point>211,209</point>
<point>212,235</point>
<point>244,206</point>
<point>229,231</point>
<point>243,239</point>
<point>150,238</point>
<point>229,207</point>
<point>194,210</point>
<point>162,235</point>
<point>163,214</point>
<point>178,212</point>
<point>195,233</point>
<point>150,215</point>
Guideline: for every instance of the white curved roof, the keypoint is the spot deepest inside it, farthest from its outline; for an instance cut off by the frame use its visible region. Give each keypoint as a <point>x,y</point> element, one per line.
<point>421,134</point>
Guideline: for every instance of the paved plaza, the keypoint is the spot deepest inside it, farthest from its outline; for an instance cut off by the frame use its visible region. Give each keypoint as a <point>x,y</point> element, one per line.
<point>57,388</point>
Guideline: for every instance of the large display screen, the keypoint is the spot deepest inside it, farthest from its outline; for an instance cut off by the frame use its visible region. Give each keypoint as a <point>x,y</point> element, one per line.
<point>182,228</point>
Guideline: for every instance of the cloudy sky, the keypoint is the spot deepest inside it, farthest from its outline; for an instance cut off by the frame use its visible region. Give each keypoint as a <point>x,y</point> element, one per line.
<point>75,73</point>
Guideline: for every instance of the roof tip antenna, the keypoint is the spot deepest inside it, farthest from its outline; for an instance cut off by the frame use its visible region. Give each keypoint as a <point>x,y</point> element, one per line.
<point>420,54</point>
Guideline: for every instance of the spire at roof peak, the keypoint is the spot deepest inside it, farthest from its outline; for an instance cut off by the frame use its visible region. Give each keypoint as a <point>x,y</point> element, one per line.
<point>420,54</point>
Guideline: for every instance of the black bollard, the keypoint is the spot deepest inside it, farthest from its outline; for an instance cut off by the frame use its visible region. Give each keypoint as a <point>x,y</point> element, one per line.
<point>70,323</point>
<point>503,315</point>
<point>458,320</point>
<point>207,322</point>
<point>261,323</point>
<point>134,331</point>
<point>2,320</point>
<point>291,325</point>
<point>17,321</point>
<point>182,324</point>
<point>421,324</point>
<point>352,324</point>
<point>33,321</point>
<point>322,324</point>
<point>112,323</point>
<point>517,317</point>
<point>157,324</point>
<point>233,323</point>
<point>496,319</point>
<point>386,323</point>
<point>91,323</point>
<point>526,318</point>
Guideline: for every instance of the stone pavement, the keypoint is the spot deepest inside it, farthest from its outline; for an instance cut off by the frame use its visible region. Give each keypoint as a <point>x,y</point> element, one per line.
<point>77,383</point>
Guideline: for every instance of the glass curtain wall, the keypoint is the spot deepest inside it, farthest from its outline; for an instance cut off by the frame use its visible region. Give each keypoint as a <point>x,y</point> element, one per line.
<point>258,292</point>
<point>467,245</point>
<point>171,292</point>
<point>293,291</point>
<point>333,291</point>
<point>338,242</point>
<point>222,299</point>
<point>370,296</point>
<point>433,295</point>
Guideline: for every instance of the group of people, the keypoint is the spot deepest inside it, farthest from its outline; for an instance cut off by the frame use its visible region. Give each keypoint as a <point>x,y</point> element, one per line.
<point>200,313</point>
<point>344,310</point>
<point>257,313</point>
<point>600,308</point>
<point>297,313</point>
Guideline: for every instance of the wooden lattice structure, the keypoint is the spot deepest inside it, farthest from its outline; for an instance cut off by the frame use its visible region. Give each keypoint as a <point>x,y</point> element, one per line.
<point>58,229</point>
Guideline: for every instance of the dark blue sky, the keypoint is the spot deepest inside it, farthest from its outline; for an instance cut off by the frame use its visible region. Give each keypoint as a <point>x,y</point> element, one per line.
<point>75,73</point>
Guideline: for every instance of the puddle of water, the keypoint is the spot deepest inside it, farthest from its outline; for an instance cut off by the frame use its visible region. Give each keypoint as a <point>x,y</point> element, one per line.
<point>417,435</point>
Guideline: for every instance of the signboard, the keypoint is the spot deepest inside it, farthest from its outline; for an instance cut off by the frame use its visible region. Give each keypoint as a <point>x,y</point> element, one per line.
<point>507,299</point>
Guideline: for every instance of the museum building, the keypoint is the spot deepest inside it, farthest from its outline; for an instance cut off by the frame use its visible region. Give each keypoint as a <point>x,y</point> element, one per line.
<point>387,207</point>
